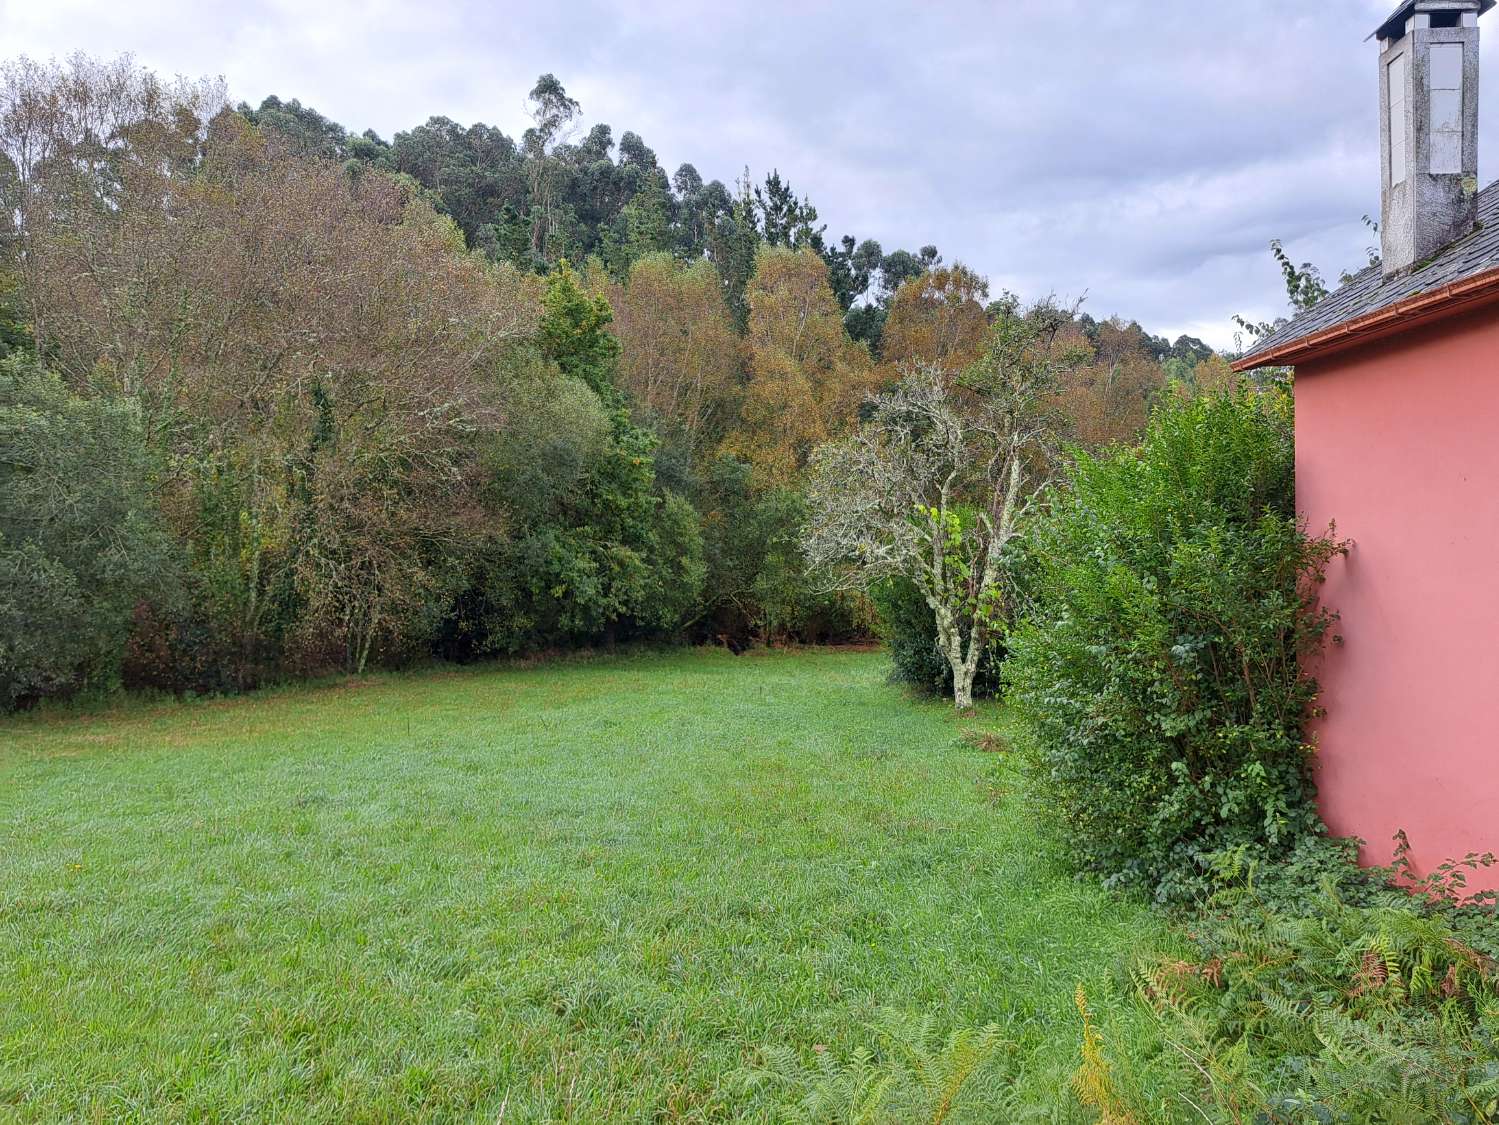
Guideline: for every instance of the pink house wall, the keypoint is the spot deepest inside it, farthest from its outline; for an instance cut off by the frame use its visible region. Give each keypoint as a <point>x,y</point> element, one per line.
<point>1398,441</point>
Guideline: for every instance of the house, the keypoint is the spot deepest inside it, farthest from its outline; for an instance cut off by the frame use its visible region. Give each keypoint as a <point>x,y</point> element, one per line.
<point>1397,440</point>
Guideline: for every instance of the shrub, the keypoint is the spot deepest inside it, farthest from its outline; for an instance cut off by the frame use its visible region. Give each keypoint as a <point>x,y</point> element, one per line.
<point>907,627</point>
<point>80,543</point>
<point>1159,671</point>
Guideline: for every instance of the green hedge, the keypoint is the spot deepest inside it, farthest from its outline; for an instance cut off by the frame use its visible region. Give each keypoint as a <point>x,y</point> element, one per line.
<point>1159,670</point>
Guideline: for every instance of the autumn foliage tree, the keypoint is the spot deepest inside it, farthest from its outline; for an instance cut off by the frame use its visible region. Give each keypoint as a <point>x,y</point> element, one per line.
<point>1108,399</point>
<point>680,358</point>
<point>806,377</point>
<point>312,353</point>
<point>937,318</point>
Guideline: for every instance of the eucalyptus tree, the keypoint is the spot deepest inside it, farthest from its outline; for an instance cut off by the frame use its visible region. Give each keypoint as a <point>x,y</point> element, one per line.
<point>552,114</point>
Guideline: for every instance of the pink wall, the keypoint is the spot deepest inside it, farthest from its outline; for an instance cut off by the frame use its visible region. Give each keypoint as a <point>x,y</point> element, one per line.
<point>1398,442</point>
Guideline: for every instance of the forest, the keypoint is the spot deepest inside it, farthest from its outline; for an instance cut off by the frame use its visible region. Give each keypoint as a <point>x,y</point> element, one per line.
<point>279,399</point>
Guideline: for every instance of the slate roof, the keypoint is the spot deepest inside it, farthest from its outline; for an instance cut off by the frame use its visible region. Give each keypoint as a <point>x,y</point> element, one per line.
<point>1394,27</point>
<point>1368,291</point>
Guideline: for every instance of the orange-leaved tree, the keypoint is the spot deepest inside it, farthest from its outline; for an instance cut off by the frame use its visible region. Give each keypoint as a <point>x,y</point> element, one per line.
<point>1108,399</point>
<point>806,377</point>
<point>937,318</point>
<point>680,358</point>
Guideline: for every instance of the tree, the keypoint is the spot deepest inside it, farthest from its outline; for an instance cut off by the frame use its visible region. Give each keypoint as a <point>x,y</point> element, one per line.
<point>787,220</point>
<point>552,111</point>
<point>757,584</point>
<point>574,333</point>
<point>477,175</point>
<point>806,377</point>
<point>66,133</point>
<point>937,318</point>
<point>867,270</point>
<point>15,335</point>
<point>851,268</point>
<point>732,247</point>
<point>593,548</point>
<point>932,487</point>
<point>1108,399</point>
<point>643,227</point>
<point>700,208</point>
<point>679,354</point>
<point>305,131</point>
<point>80,535</point>
<point>900,266</point>
<point>311,353</point>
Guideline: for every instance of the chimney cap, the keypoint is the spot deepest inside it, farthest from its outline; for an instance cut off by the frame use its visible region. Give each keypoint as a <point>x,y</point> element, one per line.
<point>1394,27</point>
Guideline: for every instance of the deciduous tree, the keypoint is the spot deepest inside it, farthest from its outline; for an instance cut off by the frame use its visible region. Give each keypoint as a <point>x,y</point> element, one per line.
<point>1108,399</point>
<point>806,377</point>
<point>680,358</point>
<point>937,318</point>
<point>312,353</point>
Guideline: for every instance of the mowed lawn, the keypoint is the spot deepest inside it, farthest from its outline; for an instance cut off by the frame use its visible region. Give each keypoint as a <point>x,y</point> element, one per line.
<point>590,890</point>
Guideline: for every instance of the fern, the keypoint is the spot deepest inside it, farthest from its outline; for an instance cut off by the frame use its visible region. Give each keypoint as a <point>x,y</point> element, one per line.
<point>1094,1080</point>
<point>915,1075</point>
<point>1385,1010</point>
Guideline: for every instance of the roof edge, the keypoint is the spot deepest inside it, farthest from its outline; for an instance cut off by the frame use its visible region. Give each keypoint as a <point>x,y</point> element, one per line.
<point>1422,308</point>
<point>1395,21</point>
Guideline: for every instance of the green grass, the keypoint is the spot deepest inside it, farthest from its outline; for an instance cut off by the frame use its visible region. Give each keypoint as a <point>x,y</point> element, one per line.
<point>593,890</point>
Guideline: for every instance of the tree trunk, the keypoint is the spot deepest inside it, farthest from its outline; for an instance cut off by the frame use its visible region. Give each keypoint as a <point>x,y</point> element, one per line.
<point>962,688</point>
<point>964,667</point>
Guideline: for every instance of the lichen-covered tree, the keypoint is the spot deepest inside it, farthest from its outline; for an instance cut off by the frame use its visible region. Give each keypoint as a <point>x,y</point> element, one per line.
<point>932,487</point>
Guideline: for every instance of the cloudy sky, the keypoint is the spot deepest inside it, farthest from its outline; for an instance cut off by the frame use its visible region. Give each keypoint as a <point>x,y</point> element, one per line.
<point>1143,153</point>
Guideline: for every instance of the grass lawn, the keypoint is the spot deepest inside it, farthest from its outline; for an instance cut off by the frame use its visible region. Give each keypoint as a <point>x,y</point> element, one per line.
<point>592,890</point>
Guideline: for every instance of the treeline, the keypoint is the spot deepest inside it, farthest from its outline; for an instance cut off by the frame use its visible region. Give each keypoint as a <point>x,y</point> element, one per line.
<point>275,399</point>
<point>549,196</point>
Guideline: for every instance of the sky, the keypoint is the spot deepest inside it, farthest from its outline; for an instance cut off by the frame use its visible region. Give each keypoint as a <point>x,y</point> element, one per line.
<point>1140,155</point>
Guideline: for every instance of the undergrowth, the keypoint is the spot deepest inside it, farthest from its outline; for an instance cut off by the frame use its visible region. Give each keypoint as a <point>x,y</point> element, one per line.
<point>1373,998</point>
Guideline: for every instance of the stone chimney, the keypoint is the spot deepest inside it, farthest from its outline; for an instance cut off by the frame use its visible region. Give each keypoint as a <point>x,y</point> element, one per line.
<point>1428,124</point>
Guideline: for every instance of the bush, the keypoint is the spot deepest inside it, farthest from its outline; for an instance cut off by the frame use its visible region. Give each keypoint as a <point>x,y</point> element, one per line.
<point>1159,671</point>
<point>80,543</point>
<point>907,627</point>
